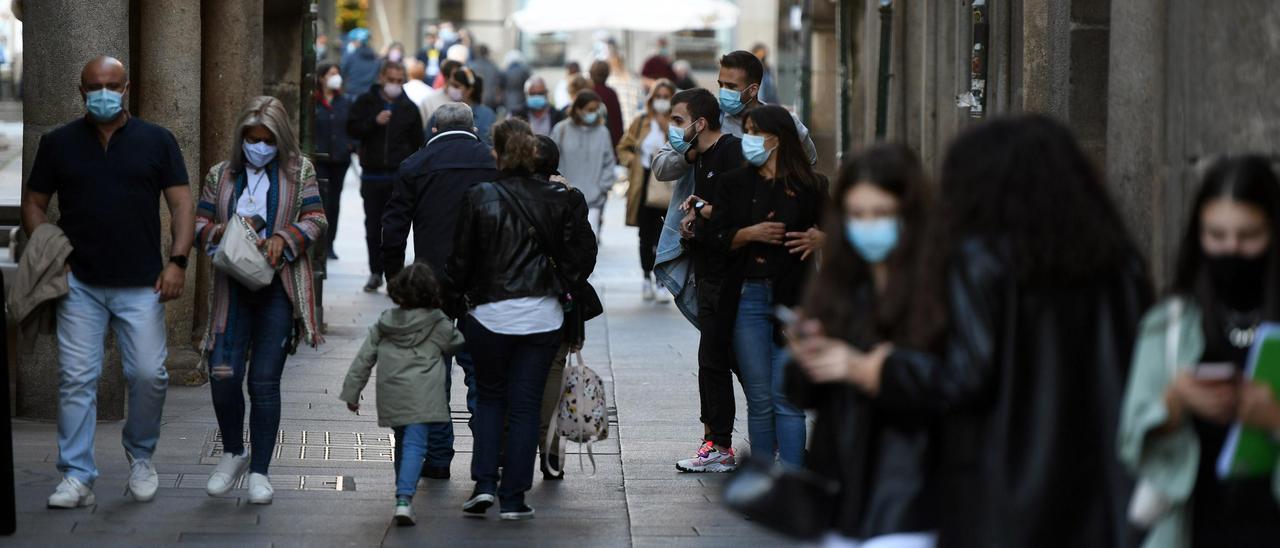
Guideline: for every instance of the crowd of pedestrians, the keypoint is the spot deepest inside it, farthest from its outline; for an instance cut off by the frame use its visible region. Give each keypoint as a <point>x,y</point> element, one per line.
<point>985,359</point>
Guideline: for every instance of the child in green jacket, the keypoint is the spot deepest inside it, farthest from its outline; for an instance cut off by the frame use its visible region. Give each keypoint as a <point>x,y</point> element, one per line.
<point>408,345</point>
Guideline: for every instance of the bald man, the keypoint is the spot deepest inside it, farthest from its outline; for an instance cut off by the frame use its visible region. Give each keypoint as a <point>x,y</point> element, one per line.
<point>109,169</point>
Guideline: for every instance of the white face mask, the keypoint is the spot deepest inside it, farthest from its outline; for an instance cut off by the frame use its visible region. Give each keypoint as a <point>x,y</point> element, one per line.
<point>333,82</point>
<point>455,94</point>
<point>392,90</point>
<point>662,106</point>
<point>258,154</point>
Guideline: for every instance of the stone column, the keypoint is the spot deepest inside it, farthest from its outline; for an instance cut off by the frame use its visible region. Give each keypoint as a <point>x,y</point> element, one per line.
<point>167,82</point>
<point>61,36</point>
<point>230,75</point>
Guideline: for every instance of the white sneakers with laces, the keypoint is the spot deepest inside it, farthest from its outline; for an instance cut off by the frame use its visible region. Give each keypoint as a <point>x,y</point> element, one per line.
<point>227,473</point>
<point>646,291</point>
<point>143,480</point>
<point>260,490</point>
<point>71,494</point>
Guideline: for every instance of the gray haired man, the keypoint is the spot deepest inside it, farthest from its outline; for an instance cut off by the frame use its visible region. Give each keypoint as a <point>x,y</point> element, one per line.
<point>427,196</point>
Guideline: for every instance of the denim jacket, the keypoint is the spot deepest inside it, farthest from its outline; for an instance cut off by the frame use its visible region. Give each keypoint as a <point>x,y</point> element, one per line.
<point>673,267</point>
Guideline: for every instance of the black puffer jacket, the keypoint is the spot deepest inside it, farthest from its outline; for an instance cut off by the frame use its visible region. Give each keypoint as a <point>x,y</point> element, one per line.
<point>495,254</point>
<point>1029,385</point>
<point>382,148</point>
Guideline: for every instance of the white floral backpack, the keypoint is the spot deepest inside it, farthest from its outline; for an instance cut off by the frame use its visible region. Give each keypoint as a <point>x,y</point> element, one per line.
<point>582,415</point>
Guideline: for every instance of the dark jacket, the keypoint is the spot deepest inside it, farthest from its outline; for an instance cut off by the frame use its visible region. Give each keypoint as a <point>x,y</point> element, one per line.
<point>613,119</point>
<point>743,199</point>
<point>884,461</point>
<point>331,128</point>
<point>359,70</point>
<point>523,114</point>
<point>382,148</point>
<point>1029,385</point>
<point>427,196</point>
<point>494,81</point>
<point>495,255</point>
<point>513,79</point>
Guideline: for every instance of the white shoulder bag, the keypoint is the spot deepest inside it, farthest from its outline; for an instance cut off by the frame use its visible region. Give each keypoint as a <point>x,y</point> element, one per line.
<point>1149,504</point>
<point>240,257</point>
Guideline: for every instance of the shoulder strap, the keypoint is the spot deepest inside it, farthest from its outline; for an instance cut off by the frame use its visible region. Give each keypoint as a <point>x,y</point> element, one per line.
<point>533,228</point>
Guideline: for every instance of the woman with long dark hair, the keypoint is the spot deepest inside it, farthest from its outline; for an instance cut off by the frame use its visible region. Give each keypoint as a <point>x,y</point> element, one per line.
<point>877,284</point>
<point>1185,387</point>
<point>1044,292</point>
<point>765,217</point>
<point>515,250</point>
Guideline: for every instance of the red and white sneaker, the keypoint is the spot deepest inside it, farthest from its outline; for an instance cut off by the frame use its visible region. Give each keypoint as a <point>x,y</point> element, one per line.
<point>709,459</point>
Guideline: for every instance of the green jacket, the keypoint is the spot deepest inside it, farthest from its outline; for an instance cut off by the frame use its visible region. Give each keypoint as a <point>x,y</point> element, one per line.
<point>408,346</point>
<point>1168,461</point>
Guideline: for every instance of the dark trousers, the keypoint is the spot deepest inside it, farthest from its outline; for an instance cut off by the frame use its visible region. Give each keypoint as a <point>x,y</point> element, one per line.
<point>649,220</point>
<point>715,373</point>
<point>511,372</point>
<point>333,173</point>
<point>254,346</point>
<point>375,188</point>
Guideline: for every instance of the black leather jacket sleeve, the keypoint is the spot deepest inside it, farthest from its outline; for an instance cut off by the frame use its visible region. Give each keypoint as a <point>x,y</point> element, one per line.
<point>580,247</point>
<point>965,375</point>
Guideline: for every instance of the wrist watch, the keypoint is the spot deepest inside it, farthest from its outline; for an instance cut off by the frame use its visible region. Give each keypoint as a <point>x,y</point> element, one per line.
<point>180,260</point>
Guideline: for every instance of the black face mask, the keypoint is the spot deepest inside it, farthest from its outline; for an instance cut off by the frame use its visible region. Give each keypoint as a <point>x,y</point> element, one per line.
<point>1238,281</point>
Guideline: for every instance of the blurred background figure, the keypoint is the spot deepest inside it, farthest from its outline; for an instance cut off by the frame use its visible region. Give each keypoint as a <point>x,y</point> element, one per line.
<point>646,203</point>
<point>768,84</point>
<point>331,139</point>
<point>516,73</point>
<point>586,153</point>
<point>563,96</point>
<point>658,66</point>
<point>485,68</point>
<point>429,55</point>
<point>360,64</point>
<point>394,53</point>
<point>628,86</point>
<point>466,87</point>
<point>538,111</point>
<point>608,98</point>
<point>415,88</point>
<point>684,75</point>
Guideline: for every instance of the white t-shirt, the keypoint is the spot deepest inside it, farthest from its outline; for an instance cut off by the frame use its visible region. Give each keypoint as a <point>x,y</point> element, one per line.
<point>522,316</point>
<point>253,201</point>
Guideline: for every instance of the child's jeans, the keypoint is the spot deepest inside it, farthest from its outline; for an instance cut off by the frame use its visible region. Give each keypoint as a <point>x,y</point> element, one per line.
<point>411,456</point>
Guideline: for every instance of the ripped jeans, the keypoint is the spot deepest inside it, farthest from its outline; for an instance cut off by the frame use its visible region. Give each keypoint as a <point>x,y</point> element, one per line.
<point>259,324</point>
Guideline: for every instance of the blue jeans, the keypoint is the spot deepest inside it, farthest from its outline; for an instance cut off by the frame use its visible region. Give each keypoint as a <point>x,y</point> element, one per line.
<point>137,317</point>
<point>413,448</point>
<point>511,372</point>
<point>772,421</point>
<point>259,324</point>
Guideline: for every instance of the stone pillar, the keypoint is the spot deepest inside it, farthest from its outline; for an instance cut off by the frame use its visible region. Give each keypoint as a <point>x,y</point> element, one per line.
<point>61,36</point>
<point>167,83</point>
<point>230,75</point>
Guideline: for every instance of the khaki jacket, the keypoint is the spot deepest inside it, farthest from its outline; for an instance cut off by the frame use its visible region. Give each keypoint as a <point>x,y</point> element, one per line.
<point>408,347</point>
<point>629,157</point>
<point>40,282</point>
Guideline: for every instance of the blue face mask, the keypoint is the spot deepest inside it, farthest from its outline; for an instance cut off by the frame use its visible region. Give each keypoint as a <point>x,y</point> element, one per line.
<point>873,240</point>
<point>258,154</point>
<point>536,102</point>
<point>590,117</point>
<point>731,101</point>
<point>676,136</point>
<point>753,150</point>
<point>103,104</point>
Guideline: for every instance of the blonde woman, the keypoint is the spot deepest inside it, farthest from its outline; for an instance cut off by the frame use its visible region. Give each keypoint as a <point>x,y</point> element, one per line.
<point>268,182</point>
<point>643,138</point>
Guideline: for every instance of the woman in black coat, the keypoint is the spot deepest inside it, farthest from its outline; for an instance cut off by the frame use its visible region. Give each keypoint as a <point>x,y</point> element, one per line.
<point>332,141</point>
<point>1044,291</point>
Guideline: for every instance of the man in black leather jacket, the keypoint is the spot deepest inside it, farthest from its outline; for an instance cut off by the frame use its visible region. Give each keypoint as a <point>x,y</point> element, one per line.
<point>389,128</point>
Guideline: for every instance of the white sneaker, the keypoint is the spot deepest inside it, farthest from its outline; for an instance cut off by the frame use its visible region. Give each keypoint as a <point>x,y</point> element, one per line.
<point>646,291</point>
<point>404,513</point>
<point>661,293</point>
<point>71,494</point>
<point>143,479</point>
<point>227,473</point>
<point>260,490</point>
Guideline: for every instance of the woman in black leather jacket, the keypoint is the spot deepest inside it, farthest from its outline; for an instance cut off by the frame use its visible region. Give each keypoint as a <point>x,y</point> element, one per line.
<point>877,284</point>
<point>1044,291</point>
<point>503,274</point>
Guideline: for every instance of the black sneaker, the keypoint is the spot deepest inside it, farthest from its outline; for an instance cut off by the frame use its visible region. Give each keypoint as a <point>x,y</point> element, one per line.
<point>523,512</point>
<point>375,281</point>
<point>435,472</point>
<point>479,503</point>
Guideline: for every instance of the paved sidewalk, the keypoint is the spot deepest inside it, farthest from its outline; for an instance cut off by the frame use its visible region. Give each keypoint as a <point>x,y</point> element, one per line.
<point>333,474</point>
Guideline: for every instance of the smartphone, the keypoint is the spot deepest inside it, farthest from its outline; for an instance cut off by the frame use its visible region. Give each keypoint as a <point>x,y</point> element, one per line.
<point>786,316</point>
<point>1218,371</point>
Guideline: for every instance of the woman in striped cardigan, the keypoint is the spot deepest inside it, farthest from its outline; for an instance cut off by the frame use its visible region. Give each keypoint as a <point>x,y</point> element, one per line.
<point>268,182</point>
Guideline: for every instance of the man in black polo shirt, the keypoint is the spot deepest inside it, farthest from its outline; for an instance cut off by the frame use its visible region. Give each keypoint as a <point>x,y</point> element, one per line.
<point>694,133</point>
<point>109,170</point>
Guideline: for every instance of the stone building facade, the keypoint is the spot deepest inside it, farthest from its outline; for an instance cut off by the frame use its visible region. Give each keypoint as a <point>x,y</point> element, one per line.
<point>193,65</point>
<point>1153,88</point>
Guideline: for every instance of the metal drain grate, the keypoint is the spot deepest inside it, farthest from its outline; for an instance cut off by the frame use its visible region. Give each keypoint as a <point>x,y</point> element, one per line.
<point>280,481</point>
<point>308,447</point>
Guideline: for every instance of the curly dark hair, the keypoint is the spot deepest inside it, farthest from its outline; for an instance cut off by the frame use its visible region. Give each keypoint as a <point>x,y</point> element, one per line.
<point>911,309</point>
<point>415,287</point>
<point>1026,181</point>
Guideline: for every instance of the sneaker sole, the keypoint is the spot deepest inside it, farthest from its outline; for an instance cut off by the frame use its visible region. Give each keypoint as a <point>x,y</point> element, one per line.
<point>478,505</point>
<point>138,497</point>
<point>709,469</point>
<point>83,503</point>
<point>260,501</point>
<point>404,521</point>
<point>516,516</point>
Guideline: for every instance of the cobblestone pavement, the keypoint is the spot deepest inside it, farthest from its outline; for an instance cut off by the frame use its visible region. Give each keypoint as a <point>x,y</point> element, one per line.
<point>333,473</point>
